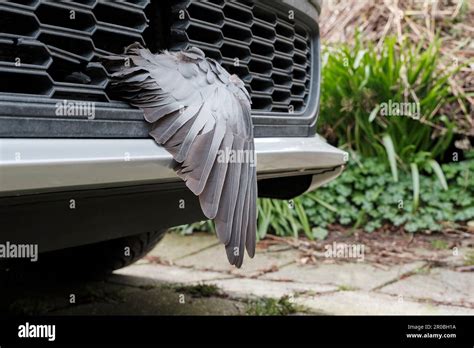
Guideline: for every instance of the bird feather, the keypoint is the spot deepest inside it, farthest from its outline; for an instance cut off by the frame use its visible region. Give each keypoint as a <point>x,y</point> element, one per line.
<point>200,114</point>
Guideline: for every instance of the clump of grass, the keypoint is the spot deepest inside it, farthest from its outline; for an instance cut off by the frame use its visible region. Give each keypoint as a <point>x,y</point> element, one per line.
<point>30,306</point>
<point>200,290</point>
<point>439,244</point>
<point>346,288</point>
<point>388,101</point>
<point>425,269</point>
<point>469,259</point>
<point>272,306</point>
<point>360,80</point>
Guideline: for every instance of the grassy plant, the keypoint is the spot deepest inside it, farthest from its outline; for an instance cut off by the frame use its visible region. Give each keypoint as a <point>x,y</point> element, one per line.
<point>439,244</point>
<point>358,80</point>
<point>283,217</point>
<point>365,196</point>
<point>391,155</point>
<point>271,306</point>
<point>362,82</point>
<point>415,176</point>
<point>199,290</point>
<point>346,288</point>
<point>469,259</point>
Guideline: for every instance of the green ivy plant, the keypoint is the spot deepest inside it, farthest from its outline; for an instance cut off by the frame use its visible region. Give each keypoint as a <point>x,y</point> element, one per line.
<point>366,197</point>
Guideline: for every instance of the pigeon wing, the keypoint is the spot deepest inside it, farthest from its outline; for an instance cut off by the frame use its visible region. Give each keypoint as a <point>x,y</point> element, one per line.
<point>201,115</point>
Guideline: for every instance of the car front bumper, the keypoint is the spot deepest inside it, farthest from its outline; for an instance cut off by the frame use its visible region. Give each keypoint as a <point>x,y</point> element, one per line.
<point>48,165</point>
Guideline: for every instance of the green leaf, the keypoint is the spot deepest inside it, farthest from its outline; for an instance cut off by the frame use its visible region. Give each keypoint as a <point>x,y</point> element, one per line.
<point>326,205</point>
<point>415,175</point>
<point>390,150</point>
<point>358,58</point>
<point>364,197</point>
<point>373,113</point>
<point>320,233</point>
<point>303,219</point>
<point>439,173</point>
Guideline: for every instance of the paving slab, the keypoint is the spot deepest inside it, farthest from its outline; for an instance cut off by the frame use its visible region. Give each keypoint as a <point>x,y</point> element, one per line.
<point>458,258</point>
<point>357,288</point>
<point>215,259</point>
<point>369,303</point>
<point>155,274</point>
<point>42,300</point>
<point>449,257</point>
<point>157,301</point>
<point>442,285</point>
<point>244,287</point>
<point>348,275</point>
<point>175,246</point>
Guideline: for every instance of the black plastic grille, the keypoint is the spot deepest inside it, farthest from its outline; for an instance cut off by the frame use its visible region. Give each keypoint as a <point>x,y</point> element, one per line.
<point>263,45</point>
<point>48,48</point>
<point>49,52</point>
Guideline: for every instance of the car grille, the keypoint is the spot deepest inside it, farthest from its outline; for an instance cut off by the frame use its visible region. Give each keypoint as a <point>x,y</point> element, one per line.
<point>49,52</point>
<point>263,46</point>
<point>48,47</point>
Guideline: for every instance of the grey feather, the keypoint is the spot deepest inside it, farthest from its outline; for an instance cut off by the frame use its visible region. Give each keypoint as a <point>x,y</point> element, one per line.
<point>199,113</point>
<point>211,195</point>
<point>164,134</point>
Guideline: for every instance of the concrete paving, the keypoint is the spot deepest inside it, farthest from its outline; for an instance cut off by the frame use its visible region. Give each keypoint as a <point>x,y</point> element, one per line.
<point>354,275</point>
<point>157,301</point>
<point>190,275</point>
<point>373,303</point>
<point>215,259</point>
<point>177,247</point>
<point>439,285</point>
<point>332,288</point>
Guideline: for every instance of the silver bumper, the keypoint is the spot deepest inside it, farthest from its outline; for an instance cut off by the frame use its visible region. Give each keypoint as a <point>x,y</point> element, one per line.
<point>45,165</point>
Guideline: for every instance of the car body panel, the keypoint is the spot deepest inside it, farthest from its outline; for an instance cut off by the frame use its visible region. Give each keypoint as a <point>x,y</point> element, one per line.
<point>70,180</point>
<point>45,165</point>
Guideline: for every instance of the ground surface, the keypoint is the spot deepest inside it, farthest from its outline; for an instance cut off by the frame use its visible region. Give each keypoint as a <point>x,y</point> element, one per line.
<point>190,275</point>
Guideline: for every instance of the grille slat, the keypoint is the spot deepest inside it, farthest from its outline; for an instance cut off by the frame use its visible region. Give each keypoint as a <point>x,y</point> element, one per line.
<point>271,50</point>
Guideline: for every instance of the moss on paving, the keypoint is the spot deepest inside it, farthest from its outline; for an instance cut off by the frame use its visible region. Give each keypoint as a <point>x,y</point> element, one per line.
<point>200,290</point>
<point>30,306</point>
<point>439,244</point>
<point>469,259</point>
<point>272,306</point>
<point>346,288</point>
